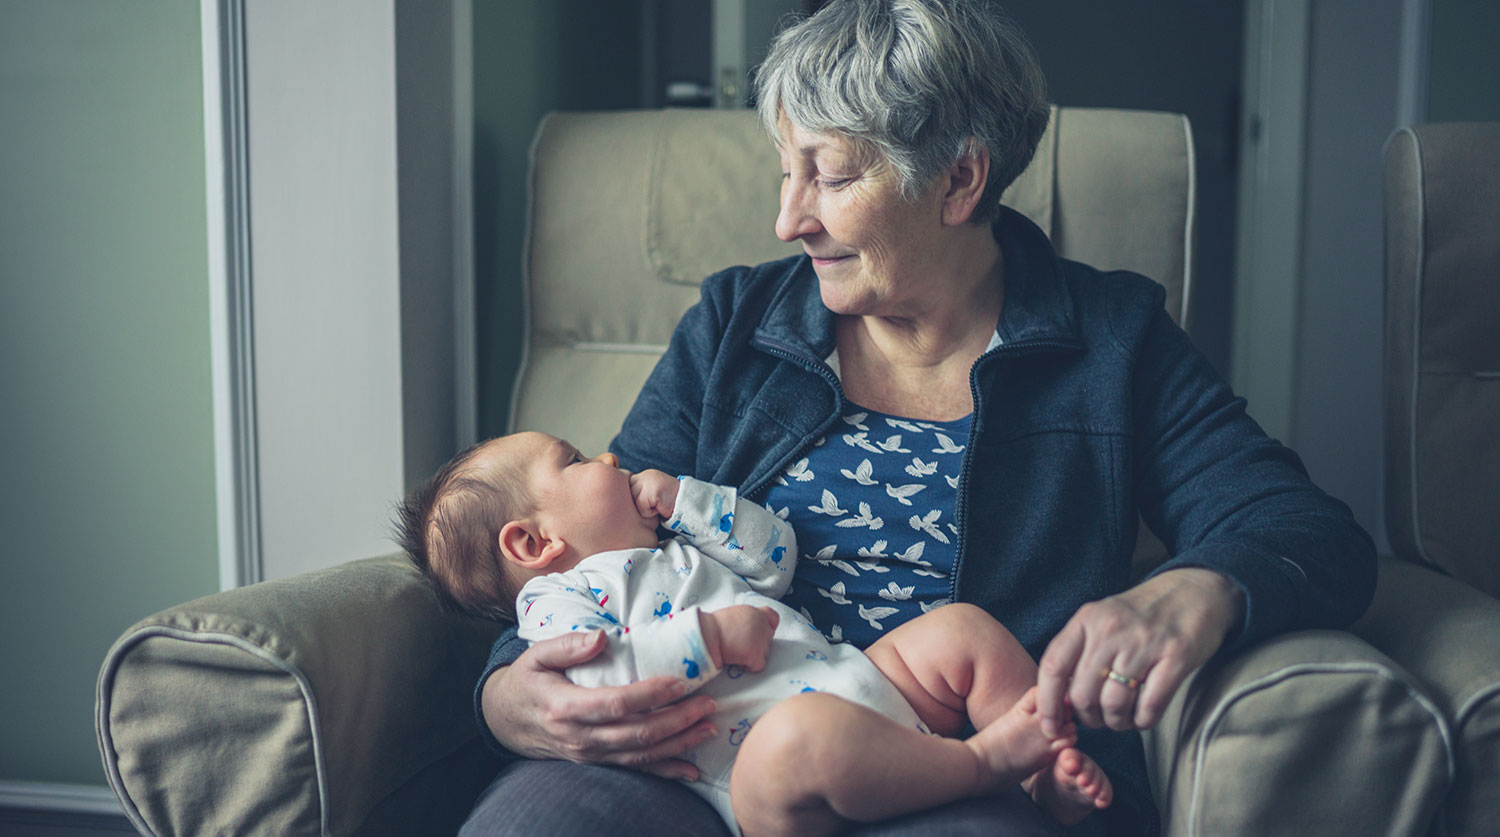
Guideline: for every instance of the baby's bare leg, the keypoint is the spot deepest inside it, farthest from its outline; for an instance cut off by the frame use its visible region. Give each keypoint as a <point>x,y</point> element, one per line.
<point>815,762</point>
<point>957,660</point>
<point>955,664</point>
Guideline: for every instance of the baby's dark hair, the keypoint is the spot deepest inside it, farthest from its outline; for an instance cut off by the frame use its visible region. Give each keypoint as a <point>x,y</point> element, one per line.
<point>449,527</point>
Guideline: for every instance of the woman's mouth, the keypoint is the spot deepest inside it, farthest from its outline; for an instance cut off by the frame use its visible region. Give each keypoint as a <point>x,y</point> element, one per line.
<point>824,261</point>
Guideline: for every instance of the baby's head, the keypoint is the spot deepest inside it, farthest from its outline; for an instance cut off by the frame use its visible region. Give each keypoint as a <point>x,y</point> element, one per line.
<point>515,507</point>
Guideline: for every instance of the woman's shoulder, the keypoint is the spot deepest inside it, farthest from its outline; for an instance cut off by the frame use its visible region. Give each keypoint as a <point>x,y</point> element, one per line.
<point>1122,302</point>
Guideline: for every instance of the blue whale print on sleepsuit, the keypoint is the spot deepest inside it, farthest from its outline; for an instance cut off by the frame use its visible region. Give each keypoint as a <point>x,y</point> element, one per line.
<point>739,732</point>
<point>691,668</point>
<point>664,608</point>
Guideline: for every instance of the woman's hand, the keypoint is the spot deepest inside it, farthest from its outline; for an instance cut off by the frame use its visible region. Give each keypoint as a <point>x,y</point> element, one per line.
<point>534,710</point>
<point>1151,637</point>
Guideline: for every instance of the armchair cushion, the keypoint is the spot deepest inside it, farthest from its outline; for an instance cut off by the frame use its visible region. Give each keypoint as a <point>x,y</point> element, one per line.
<point>1443,632</point>
<point>1442,239</point>
<point>1254,745</point>
<point>301,706</point>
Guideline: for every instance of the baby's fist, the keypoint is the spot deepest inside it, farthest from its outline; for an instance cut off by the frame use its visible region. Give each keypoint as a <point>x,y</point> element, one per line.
<point>655,493</point>
<point>740,634</point>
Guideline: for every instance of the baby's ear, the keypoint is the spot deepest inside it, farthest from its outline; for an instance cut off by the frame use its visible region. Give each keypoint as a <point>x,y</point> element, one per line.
<point>523,544</point>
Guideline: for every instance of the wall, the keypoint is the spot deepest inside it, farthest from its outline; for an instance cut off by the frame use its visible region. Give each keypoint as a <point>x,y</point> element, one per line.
<point>106,426</point>
<point>1463,79</point>
<point>530,57</point>
<point>1351,110</point>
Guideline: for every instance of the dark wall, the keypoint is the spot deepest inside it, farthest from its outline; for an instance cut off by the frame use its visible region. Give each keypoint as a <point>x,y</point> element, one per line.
<point>1173,55</point>
<point>530,57</point>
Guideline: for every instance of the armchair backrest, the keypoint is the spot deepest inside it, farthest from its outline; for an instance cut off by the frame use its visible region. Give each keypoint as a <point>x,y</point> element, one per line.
<point>630,210</point>
<point>1442,351</point>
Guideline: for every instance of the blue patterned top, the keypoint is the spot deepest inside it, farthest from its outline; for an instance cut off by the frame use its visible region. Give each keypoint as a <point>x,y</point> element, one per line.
<point>873,507</point>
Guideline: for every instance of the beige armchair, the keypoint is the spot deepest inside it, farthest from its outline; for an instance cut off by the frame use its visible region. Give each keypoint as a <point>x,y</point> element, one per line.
<point>339,702</point>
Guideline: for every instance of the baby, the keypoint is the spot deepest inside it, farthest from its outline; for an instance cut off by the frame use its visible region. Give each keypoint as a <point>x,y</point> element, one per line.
<point>810,735</point>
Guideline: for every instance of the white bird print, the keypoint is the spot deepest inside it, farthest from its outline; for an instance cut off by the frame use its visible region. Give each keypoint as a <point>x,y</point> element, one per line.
<point>857,420</point>
<point>952,482</point>
<point>820,442</point>
<point>892,444</point>
<point>903,424</point>
<point>928,523</point>
<point>835,634</point>
<point>945,444</point>
<point>901,492</point>
<point>861,473</point>
<point>835,592</point>
<point>953,529</point>
<point>875,550</point>
<point>918,468</point>
<point>858,440</point>
<point>830,506</point>
<point>873,615</point>
<point>864,520</point>
<point>928,607</point>
<point>914,554</point>
<point>842,566</point>
<point>872,567</point>
<point>781,513</point>
<point>894,592</point>
<point>823,555</point>
<point>799,471</point>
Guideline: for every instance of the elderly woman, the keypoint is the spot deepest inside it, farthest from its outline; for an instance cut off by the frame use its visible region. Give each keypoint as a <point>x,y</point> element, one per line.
<point>946,411</point>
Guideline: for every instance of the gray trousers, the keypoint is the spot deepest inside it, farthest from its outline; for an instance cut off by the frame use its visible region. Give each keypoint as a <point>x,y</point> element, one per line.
<point>545,798</point>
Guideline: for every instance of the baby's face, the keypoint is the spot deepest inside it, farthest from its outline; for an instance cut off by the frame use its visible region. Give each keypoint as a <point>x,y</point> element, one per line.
<point>586,502</point>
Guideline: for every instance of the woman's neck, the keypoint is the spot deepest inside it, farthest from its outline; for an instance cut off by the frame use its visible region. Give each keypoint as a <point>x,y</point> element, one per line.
<point>954,314</point>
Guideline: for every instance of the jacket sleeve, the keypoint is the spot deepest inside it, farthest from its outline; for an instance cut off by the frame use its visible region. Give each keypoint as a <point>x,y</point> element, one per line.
<point>559,603</point>
<point>1223,495</point>
<point>740,534</point>
<point>661,429</point>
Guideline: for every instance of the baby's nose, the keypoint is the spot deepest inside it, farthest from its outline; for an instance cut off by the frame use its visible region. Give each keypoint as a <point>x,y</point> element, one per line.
<point>608,459</point>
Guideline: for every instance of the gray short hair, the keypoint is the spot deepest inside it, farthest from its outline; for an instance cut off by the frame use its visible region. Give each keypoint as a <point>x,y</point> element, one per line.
<point>913,80</point>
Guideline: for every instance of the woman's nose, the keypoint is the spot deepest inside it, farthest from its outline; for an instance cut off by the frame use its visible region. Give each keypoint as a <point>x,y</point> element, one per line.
<point>608,459</point>
<point>795,219</point>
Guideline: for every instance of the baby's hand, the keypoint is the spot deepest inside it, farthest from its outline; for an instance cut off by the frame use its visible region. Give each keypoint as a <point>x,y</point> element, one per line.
<point>655,493</point>
<point>739,635</point>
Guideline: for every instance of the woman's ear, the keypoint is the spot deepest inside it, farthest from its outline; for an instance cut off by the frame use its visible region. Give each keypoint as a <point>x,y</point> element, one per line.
<point>523,543</point>
<point>965,184</point>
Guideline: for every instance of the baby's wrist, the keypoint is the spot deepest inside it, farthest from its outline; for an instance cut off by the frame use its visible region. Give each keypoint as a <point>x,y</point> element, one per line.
<point>712,637</point>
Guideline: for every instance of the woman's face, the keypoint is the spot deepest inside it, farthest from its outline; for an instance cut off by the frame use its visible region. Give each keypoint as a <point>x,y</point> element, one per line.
<point>871,248</point>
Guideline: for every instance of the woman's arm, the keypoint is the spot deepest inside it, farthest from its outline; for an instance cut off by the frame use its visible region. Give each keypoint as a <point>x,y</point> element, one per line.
<point>533,710</point>
<point>1257,549</point>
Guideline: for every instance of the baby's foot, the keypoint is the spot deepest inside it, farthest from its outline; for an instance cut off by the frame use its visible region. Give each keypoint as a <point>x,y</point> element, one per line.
<point>1073,787</point>
<point>1013,746</point>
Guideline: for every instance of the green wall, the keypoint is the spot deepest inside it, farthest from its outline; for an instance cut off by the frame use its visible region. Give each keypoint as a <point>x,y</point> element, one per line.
<point>1463,73</point>
<point>530,57</point>
<point>106,435</point>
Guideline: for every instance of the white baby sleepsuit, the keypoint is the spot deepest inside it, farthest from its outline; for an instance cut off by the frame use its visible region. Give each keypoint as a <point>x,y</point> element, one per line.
<point>727,552</point>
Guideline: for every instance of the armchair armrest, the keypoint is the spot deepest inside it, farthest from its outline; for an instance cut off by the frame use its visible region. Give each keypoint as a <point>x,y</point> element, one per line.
<point>311,704</point>
<point>1443,631</point>
<point>1313,732</point>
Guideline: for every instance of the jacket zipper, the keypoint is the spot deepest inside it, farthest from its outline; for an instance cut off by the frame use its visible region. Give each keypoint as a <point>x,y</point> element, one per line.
<point>960,517</point>
<point>789,353</point>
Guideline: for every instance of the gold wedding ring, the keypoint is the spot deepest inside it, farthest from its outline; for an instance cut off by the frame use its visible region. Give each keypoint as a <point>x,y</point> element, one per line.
<point>1127,682</point>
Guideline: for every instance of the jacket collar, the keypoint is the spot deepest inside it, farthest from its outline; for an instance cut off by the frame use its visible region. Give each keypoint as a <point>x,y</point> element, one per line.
<point>1038,308</point>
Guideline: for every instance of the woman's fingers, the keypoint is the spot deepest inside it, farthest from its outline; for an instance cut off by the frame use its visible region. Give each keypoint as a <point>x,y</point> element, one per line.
<point>561,652</point>
<point>657,735</point>
<point>1055,674</point>
<point>607,704</point>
